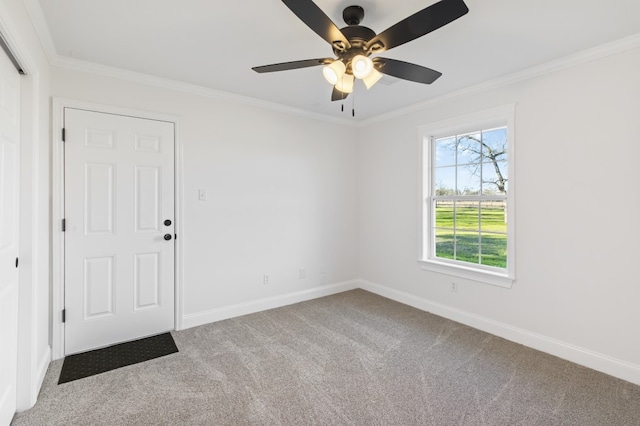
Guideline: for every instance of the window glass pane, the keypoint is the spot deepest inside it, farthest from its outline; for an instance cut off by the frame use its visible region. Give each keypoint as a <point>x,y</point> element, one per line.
<point>468,180</point>
<point>504,171</point>
<point>494,145</point>
<point>494,216</point>
<point>467,247</point>
<point>445,152</point>
<point>467,215</point>
<point>444,213</point>
<point>495,182</point>
<point>444,243</point>
<point>494,250</point>
<point>469,148</point>
<point>444,181</point>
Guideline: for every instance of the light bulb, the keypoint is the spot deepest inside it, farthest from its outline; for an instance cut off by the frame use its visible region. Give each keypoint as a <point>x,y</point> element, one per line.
<point>345,84</point>
<point>361,66</point>
<point>372,78</point>
<point>334,71</point>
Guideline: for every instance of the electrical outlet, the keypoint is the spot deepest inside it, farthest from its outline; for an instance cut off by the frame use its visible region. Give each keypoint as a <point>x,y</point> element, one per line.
<point>202,194</point>
<point>454,287</point>
<point>302,273</point>
<point>266,279</point>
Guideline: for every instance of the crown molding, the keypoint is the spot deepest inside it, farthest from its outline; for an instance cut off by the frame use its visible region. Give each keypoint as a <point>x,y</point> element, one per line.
<point>598,52</point>
<point>34,10</point>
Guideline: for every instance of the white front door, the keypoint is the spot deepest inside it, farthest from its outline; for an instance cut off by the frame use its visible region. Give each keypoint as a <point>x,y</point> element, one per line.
<point>9,214</point>
<point>119,237</point>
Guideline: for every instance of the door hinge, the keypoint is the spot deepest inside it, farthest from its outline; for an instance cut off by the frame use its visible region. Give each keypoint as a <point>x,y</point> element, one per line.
<point>175,236</point>
<point>64,315</point>
<point>64,225</point>
<point>16,262</point>
<point>64,134</point>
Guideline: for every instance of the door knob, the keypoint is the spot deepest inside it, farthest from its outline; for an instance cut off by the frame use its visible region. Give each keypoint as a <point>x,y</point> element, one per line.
<point>167,222</point>
<point>167,237</point>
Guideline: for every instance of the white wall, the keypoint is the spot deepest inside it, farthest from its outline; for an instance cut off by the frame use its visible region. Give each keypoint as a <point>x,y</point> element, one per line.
<point>577,201</point>
<point>281,194</point>
<point>33,345</point>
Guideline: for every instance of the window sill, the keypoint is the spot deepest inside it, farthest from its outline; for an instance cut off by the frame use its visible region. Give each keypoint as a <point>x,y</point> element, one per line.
<point>473,274</point>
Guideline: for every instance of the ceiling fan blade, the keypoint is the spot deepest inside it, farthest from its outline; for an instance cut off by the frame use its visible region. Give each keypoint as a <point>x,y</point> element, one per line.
<point>406,70</point>
<point>420,23</point>
<point>292,65</point>
<point>337,95</point>
<point>318,21</point>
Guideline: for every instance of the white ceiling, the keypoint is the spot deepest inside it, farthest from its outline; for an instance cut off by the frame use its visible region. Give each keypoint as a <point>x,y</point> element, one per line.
<point>215,43</point>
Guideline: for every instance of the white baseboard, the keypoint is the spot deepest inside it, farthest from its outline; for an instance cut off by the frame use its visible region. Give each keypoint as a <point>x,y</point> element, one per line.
<point>226,312</point>
<point>36,384</point>
<point>594,360</point>
<point>41,371</point>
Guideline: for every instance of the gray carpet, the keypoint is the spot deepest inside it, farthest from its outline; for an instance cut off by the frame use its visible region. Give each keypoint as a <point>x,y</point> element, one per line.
<point>349,359</point>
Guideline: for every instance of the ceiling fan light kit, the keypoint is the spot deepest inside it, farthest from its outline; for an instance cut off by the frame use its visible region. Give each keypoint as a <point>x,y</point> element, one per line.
<point>372,78</point>
<point>354,44</point>
<point>361,66</point>
<point>334,71</point>
<point>345,84</point>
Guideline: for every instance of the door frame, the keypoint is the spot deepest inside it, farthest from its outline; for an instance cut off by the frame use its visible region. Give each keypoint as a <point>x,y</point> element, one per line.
<point>34,252</point>
<point>57,214</point>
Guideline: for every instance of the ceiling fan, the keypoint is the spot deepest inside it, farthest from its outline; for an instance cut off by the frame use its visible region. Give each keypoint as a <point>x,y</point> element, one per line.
<point>354,44</point>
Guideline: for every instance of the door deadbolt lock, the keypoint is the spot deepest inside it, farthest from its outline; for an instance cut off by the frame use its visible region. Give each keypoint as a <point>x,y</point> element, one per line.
<point>167,222</point>
<point>167,237</point>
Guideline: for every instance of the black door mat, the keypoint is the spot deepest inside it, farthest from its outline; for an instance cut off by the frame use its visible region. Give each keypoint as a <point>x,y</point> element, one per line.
<point>87,364</point>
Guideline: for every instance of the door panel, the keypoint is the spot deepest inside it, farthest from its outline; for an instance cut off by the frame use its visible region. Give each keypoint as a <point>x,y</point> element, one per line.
<point>99,197</point>
<point>9,225</point>
<point>147,274</point>
<point>147,199</point>
<point>119,190</point>
<point>99,287</point>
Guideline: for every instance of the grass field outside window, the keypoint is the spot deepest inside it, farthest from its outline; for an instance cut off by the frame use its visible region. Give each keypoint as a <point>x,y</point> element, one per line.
<point>474,232</point>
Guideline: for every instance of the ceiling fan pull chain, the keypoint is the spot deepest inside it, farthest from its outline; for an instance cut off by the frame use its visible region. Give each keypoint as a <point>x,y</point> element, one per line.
<point>342,97</point>
<point>353,104</point>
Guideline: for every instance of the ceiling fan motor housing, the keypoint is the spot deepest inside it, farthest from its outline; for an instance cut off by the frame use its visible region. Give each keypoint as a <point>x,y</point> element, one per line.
<point>358,36</point>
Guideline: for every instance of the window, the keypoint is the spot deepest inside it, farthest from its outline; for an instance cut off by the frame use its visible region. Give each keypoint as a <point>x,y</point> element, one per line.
<point>467,209</point>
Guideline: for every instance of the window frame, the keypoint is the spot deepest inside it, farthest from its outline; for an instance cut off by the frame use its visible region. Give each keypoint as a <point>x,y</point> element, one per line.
<point>493,118</point>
